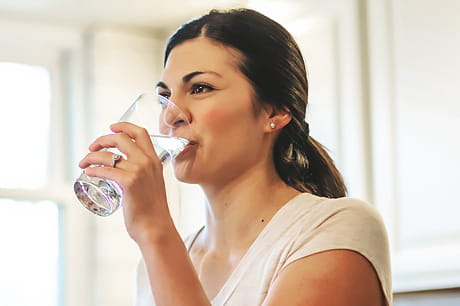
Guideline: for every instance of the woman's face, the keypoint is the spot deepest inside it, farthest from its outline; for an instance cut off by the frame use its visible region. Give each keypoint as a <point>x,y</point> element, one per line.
<point>229,138</point>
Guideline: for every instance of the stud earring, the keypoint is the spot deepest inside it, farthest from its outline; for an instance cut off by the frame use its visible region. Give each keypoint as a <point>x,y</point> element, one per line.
<point>272,125</point>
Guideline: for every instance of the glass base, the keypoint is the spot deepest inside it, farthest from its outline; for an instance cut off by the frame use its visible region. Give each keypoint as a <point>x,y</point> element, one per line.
<point>101,197</point>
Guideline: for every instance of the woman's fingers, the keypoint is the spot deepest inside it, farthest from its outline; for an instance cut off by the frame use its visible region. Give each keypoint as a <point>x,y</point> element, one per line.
<point>100,158</point>
<point>141,168</point>
<point>138,134</point>
<point>140,175</point>
<point>128,138</point>
<point>121,141</point>
<point>108,173</point>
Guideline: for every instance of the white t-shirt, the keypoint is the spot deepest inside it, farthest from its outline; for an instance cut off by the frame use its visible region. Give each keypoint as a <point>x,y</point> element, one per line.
<point>306,225</point>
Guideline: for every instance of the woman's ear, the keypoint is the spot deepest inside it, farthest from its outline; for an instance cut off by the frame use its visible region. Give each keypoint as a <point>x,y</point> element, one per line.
<point>277,119</point>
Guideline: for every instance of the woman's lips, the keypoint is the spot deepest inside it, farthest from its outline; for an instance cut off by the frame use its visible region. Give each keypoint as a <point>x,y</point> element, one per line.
<point>187,148</point>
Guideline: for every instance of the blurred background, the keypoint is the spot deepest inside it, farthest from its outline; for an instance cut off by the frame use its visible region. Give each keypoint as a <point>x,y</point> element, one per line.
<point>385,79</point>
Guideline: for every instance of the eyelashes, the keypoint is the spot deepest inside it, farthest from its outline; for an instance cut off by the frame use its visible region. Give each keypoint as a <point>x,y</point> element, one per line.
<point>164,93</point>
<point>195,89</point>
<point>200,88</point>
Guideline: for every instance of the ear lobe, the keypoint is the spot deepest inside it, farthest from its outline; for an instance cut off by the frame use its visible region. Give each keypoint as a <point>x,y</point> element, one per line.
<point>278,119</point>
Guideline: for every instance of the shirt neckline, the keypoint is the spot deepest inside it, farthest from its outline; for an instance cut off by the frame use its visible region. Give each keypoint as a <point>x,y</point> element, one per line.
<point>226,289</point>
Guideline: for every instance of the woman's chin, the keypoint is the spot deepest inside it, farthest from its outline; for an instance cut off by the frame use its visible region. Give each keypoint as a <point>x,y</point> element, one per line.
<point>183,173</point>
<point>186,179</point>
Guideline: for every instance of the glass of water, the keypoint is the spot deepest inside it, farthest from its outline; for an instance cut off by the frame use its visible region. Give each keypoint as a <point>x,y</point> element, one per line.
<point>162,119</point>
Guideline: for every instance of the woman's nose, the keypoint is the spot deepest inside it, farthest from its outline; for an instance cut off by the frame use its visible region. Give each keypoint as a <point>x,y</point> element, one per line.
<point>173,117</point>
<point>181,108</point>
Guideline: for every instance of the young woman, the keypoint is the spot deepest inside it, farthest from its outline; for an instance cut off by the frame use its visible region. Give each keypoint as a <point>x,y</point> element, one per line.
<point>279,229</point>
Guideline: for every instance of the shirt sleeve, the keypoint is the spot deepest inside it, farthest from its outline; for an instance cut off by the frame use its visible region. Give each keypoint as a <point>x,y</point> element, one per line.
<point>349,224</point>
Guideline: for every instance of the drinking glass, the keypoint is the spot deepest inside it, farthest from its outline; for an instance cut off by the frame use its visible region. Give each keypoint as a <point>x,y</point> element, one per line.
<point>163,120</point>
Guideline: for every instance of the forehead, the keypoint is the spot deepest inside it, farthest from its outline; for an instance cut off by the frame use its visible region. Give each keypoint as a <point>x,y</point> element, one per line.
<point>201,54</point>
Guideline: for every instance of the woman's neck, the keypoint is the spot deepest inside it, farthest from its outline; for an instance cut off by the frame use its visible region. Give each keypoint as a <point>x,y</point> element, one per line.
<point>238,211</point>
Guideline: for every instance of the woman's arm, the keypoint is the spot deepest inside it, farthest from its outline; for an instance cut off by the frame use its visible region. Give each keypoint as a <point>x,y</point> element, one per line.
<point>172,277</point>
<point>330,278</point>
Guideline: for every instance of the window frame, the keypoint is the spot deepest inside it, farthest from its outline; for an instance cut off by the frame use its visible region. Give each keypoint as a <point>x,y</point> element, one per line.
<point>58,49</point>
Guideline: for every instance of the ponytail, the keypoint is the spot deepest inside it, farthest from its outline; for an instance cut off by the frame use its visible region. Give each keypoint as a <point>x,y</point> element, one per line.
<point>304,164</point>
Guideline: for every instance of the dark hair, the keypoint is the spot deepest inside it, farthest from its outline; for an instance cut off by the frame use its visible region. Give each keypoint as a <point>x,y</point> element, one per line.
<point>272,62</point>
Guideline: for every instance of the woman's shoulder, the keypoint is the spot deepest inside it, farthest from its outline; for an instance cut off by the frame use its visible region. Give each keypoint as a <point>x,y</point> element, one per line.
<point>320,224</point>
<point>355,211</point>
<point>348,208</point>
<point>342,221</point>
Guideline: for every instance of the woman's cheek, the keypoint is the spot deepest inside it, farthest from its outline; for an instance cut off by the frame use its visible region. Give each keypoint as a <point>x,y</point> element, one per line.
<point>218,120</point>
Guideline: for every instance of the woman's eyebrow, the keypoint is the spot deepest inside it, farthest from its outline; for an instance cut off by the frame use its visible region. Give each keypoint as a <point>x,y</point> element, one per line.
<point>186,78</point>
<point>190,76</point>
<point>162,85</point>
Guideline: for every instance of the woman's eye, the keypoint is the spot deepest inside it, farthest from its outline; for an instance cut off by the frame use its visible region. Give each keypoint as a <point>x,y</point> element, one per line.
<point>200,88</point>
<point>164,94</point>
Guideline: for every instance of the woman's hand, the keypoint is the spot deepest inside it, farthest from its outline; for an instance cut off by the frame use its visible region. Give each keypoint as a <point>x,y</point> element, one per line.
<point>140,176</point>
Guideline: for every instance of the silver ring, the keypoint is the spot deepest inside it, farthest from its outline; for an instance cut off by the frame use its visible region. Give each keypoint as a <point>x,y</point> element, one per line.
<point>115,159</point>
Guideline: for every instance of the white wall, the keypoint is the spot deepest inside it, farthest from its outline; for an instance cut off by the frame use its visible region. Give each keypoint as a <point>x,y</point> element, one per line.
<point>384,98</point>
<point>414,64</point>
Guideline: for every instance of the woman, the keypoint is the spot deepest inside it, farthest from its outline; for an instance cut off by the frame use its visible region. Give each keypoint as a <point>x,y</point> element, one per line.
<point>279,230</point>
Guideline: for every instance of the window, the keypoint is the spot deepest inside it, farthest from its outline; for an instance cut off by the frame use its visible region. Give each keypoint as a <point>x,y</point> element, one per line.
<point>29,223</point>
<point>29,232</point>
<point>25,109</point>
